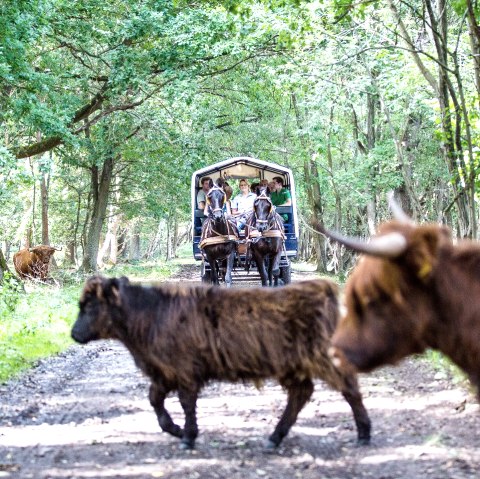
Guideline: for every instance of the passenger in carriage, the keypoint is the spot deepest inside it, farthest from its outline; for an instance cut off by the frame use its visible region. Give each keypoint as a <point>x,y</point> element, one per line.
<point>280,196</point>
<point>229,192</point>
<point>242,204</point>
<point>202,193</point>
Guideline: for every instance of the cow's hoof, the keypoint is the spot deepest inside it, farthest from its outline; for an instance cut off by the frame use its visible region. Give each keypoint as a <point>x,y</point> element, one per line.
<point>363,441</point>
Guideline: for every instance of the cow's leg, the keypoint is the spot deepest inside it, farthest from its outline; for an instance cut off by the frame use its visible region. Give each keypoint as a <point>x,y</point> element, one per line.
<point>299,392</point>
<point>351,393</point>
<point>188,400</point>
<point>157,397</point>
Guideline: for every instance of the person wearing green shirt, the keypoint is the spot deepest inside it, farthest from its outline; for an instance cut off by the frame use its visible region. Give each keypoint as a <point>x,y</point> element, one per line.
<point>280,196</point>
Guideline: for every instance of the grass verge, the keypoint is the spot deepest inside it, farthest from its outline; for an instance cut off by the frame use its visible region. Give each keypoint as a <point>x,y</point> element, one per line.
<point>36,324</point>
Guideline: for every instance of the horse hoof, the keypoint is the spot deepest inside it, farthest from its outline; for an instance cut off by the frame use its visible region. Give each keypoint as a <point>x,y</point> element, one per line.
<point>269,446</point>
<point>186,446</point>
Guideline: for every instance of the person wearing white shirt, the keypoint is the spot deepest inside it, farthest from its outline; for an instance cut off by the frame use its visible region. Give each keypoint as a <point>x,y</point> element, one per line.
<point>242,204</point>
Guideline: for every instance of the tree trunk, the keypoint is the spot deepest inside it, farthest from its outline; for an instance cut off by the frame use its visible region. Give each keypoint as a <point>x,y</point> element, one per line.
<point>175,237</point>
<point>44,183</point>
<point>100,190</point>
<point>44,199</point>
<point>122,245</point>
<point>3,266</point>
<point>452,147</point>
<point>135,246</point>
<point>168,255</point>
<point>474,32</point>
<point>109,248</point>
<point>154,247</point>
<point>69,258</point>
<point>310,171</point>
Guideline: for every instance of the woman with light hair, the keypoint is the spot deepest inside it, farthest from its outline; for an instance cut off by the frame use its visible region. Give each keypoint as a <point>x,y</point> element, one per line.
<point>242,204</point>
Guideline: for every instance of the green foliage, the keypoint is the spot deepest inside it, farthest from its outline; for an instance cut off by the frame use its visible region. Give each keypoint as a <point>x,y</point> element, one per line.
<point>10,294</point>
<point>38,324</point>
<point>181,85</point>
<point>444,365</point>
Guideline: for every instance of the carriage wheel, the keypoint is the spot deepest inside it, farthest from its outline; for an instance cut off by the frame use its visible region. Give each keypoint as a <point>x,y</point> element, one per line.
<point>206,275</point>
<point>286,274</point>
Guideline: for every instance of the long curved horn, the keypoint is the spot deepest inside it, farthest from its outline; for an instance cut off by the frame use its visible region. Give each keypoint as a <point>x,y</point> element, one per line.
<point>396,209</point>
<point>390,245</point>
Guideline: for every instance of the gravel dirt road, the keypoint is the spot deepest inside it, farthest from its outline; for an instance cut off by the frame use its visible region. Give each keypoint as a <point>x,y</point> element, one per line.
<point>85,414</point>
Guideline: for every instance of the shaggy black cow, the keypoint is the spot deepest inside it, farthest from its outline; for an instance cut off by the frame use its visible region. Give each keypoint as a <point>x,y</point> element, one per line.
<point>184,336</point>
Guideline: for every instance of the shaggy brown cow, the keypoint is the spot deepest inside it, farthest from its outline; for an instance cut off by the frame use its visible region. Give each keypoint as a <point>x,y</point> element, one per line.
<point>413,290</point>
<point>185,336</point>
<point>33,263</point>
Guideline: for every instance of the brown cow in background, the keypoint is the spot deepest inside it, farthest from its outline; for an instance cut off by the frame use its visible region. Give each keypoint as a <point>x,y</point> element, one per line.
<point>32,263</point>
<point>414,289</point>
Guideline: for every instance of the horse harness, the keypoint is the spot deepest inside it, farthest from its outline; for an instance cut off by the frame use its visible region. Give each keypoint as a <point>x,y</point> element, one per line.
<point>274,225</point>
<point>209,235</point>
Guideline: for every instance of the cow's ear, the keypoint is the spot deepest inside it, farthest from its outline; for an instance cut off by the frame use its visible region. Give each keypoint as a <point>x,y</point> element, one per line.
<point>424,249</point>
<point>112,290</point>
<point>94,287</point>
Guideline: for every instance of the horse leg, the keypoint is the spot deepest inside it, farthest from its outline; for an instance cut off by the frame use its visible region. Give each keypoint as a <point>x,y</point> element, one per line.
<point>275,271</point>
<point>213,268</point>
<point>260,262</point>
<point>188,400</point>
<point>157,395</point>
<point>270,269</point>
<point>228,274</point>
<point>299,392</point>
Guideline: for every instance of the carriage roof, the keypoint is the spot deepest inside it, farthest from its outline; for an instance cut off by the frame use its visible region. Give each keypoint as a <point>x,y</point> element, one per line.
<point>242,167</point>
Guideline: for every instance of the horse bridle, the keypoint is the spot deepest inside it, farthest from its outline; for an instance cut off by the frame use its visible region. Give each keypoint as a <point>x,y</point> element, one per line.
<point>263,196</point>
<point>211,190</point>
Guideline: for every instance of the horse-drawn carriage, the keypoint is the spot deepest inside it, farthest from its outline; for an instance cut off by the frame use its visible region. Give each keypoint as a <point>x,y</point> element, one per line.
<point>253,170</point>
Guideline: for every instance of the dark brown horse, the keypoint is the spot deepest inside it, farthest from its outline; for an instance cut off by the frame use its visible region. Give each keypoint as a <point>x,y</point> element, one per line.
<point>265,238</point>
<point>219,235</point>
